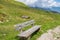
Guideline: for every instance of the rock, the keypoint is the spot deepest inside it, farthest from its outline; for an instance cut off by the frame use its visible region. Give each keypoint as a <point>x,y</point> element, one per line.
<point>7,20</point>
<point>56,30</point>
<point>4,34</point>
<point>46,36</point>
<point>25,17</point>
<point>52,34</point>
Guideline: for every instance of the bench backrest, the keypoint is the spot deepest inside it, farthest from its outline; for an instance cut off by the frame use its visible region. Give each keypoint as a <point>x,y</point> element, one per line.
<point>27,33</point>
<point>22,25</point>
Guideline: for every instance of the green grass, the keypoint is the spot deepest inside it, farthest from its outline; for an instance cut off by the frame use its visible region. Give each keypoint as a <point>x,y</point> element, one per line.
<point>14,10</point>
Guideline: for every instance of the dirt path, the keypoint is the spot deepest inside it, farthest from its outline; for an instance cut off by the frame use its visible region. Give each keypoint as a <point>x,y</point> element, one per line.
<point>52,34</point>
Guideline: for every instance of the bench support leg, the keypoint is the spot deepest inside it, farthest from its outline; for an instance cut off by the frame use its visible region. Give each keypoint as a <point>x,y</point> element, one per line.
<point>29,38</point>
<point>21,30</point>
<point>32,24</point>
<point>23,38</point>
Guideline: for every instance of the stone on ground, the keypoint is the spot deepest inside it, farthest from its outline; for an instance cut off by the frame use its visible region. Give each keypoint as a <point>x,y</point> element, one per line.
<point>52,34</point>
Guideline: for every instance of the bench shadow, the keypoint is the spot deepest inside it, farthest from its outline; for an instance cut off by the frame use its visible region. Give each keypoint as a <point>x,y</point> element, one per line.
<point>35,33</point>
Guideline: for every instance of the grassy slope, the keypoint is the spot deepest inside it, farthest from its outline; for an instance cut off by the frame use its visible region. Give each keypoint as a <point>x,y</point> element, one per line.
<point>13,11</point>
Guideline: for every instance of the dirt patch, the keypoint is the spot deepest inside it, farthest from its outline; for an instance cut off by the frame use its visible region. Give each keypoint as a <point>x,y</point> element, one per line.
<point>3,17</point>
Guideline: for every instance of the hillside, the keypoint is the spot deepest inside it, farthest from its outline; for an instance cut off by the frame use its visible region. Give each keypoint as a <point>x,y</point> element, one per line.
<point>11,12</point>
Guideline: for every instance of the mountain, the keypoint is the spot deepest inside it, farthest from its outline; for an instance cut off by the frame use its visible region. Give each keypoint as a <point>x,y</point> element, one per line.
<point>53,9</point>
<point>51,5</point>
<point>57,9</point>
<point>11,13</point>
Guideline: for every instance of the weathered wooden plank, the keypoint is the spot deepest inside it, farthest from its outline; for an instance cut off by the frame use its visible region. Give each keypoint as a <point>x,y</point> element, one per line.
<point>27,33</point>
<point>22,25</point>
<point>25,23</point>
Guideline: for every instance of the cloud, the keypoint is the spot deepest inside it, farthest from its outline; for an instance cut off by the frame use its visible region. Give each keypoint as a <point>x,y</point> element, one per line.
<point>27,1</point>
<point>41,3</point>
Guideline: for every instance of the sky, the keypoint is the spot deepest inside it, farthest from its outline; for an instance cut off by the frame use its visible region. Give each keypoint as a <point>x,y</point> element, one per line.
<point>41,3</point>
<point>57,0</point>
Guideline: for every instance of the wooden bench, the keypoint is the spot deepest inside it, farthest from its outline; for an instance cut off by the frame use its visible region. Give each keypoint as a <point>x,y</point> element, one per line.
<point>26,34</point>
<point>25,24</point>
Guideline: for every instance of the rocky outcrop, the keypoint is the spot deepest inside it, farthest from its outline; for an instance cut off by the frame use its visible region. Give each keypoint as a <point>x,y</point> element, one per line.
<point>52,34</point>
